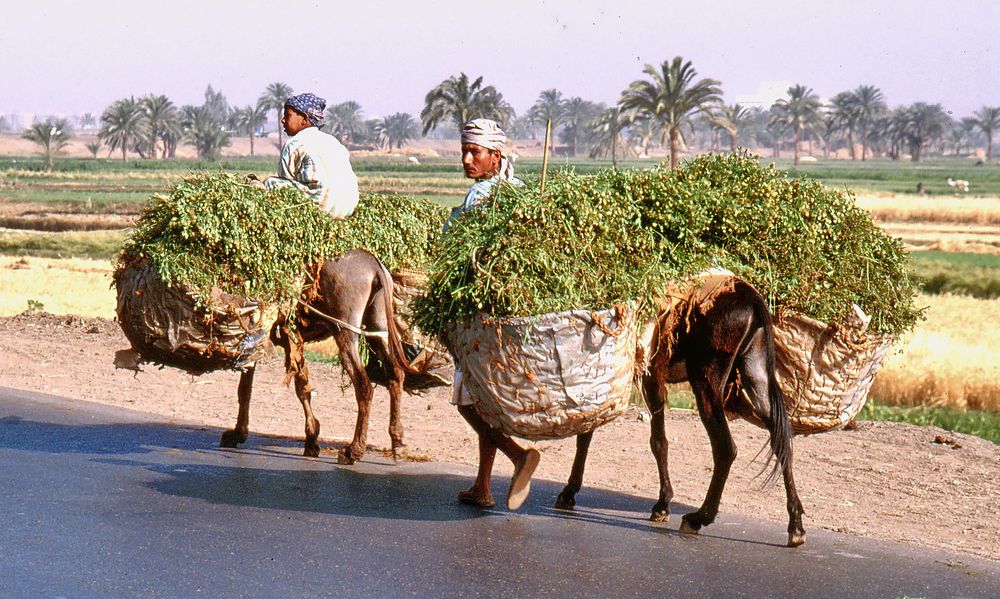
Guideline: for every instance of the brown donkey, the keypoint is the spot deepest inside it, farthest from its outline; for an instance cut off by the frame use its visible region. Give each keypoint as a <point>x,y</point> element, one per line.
<point>719,337</point>
<point>353,293</point>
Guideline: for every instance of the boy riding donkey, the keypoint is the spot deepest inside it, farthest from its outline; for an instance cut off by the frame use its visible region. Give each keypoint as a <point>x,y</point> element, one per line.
<point>485,158</point>
<point>314,162</point>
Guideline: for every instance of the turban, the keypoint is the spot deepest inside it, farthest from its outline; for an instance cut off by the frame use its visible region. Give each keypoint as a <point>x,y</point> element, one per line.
<point>488,134</point>
<point>310,105</point>
<point>485,133</point>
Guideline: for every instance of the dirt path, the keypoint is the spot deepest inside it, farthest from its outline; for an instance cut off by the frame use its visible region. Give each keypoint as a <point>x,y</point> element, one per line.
<point>883,480</point>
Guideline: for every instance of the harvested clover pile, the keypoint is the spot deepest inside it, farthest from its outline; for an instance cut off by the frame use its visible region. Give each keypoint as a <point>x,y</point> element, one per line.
<point>217,231</point>
<point>591,241</point>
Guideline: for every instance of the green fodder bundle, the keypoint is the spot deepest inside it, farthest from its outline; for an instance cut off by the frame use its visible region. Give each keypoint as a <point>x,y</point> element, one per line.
<point>217,231</point>
<point>580,245</point>
<point>806,247</point>
<point>616,236</point>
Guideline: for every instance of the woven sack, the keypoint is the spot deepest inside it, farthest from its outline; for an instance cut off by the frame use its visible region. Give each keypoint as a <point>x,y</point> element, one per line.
<point>826,371</point>
<point>164,326</point>
<point>550,376</point>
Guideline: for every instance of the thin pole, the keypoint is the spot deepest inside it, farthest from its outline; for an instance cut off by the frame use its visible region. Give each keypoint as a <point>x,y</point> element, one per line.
<point>545,152</point>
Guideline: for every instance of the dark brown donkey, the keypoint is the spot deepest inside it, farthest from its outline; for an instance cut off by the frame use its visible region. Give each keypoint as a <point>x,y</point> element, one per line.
<point>354,293</point>
<point>719,337</point>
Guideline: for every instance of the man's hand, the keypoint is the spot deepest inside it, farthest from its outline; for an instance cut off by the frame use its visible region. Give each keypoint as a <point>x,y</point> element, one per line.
<point>253,180</point>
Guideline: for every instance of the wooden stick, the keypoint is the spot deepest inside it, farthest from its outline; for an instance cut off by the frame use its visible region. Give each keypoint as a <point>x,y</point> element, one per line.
<point>545,152</point>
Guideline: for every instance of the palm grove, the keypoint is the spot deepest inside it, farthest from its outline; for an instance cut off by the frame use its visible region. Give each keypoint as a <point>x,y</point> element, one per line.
<point>670,107</point>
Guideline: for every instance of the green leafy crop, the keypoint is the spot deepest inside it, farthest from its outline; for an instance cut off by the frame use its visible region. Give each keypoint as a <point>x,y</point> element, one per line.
<point>594,240</point>
<point>217,231</point>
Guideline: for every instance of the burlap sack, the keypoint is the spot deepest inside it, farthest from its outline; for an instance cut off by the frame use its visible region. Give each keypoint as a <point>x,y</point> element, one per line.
<point>164,327</point>
<point>826,371</point>
<point>549,376</point>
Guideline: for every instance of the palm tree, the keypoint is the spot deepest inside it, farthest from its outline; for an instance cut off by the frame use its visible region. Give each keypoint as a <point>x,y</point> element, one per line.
<point>4,125</point>
<point>345,121</point>
<point>870,108</point>
<point>396,130</point>
<point>958,135</point>
<point>249,118</point>
<point>928,123</point>
<point>52,135</point>
<point>94,147</point>
<point>670,99</point>
<point>273,98</point>
<point>799,111</point>
<point>987,120</point>
<point>121,123</point>
<point>160,115</point>
<point>458,100</point>
<point>731,119</point>
<point>87,121</point>
<point>549,108</point>
<point>577,115</point>
<point>607,133</point>
<point>205,132</point>
<point>844,117</point>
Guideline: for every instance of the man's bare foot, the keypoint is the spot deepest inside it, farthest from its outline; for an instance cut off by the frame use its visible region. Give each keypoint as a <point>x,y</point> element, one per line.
<point>520,483</point>
<point>475,497</point>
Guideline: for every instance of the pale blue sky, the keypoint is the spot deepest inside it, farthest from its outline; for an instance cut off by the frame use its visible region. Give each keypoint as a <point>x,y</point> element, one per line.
<point>74,56</point>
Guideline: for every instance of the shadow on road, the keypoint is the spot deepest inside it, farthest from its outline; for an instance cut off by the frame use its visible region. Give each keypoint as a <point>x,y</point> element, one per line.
<point>270,474</point>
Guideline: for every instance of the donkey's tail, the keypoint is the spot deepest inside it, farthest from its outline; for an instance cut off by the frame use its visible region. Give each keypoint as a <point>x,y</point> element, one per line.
<point>778,425</point>
<point>394,345</point>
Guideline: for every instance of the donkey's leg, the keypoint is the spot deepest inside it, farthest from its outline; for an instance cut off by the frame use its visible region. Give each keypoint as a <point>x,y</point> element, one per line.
<point>658,444</point>
<point>347,343</point>
<point>396,378</point>
<point>296,367</point>
<point>567,498</point>
<point>238,434</point>
<point>708,383</point>
<point>753,371</point>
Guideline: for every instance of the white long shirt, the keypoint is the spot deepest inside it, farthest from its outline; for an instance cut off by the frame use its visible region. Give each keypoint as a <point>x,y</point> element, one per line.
<point>320,166</point>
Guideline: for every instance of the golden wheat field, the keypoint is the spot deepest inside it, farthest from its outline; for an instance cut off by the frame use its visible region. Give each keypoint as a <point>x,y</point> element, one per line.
<point>952,358</point>
<point>896,208</point>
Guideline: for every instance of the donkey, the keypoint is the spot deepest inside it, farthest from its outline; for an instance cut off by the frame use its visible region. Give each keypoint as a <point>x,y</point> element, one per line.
<point>720,338</point>
<point>353,294</point>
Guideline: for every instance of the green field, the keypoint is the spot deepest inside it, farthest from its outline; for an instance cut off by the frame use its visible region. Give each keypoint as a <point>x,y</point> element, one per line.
<point>888,176</point>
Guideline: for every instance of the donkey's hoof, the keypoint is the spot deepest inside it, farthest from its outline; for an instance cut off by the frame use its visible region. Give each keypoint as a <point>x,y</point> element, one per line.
<point>311,451</point>
<point>659,515</point>
<point>231,439</point>
<point>400,452</point>
<point>688,528</point>
<point>565,501</point>
<point>796,538</point>
<point>344,457</point>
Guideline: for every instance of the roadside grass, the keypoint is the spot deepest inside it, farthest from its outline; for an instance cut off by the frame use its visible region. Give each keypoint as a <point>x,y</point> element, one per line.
<point>971,422</point>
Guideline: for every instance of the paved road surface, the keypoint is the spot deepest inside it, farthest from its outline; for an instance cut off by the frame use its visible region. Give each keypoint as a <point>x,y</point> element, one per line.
<point>103,502</point>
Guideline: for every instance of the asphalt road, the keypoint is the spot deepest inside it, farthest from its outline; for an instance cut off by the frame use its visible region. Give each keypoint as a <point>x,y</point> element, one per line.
<point>103,502</point>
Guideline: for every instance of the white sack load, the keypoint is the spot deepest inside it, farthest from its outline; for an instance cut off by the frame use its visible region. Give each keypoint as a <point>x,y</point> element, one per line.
<point>550,376</point>
<point>164,326</point>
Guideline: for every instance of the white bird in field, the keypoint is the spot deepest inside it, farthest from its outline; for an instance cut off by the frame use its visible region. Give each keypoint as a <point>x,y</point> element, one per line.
<point>413,159</point>
<point>958,185</point>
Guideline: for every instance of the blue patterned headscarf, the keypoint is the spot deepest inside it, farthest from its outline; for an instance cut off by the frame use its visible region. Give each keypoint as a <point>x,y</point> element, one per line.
<point>310,105</point>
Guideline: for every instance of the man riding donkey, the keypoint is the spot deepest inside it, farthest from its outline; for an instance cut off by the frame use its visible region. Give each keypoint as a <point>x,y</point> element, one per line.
<point>486,159</point>
<point>314,162</point>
